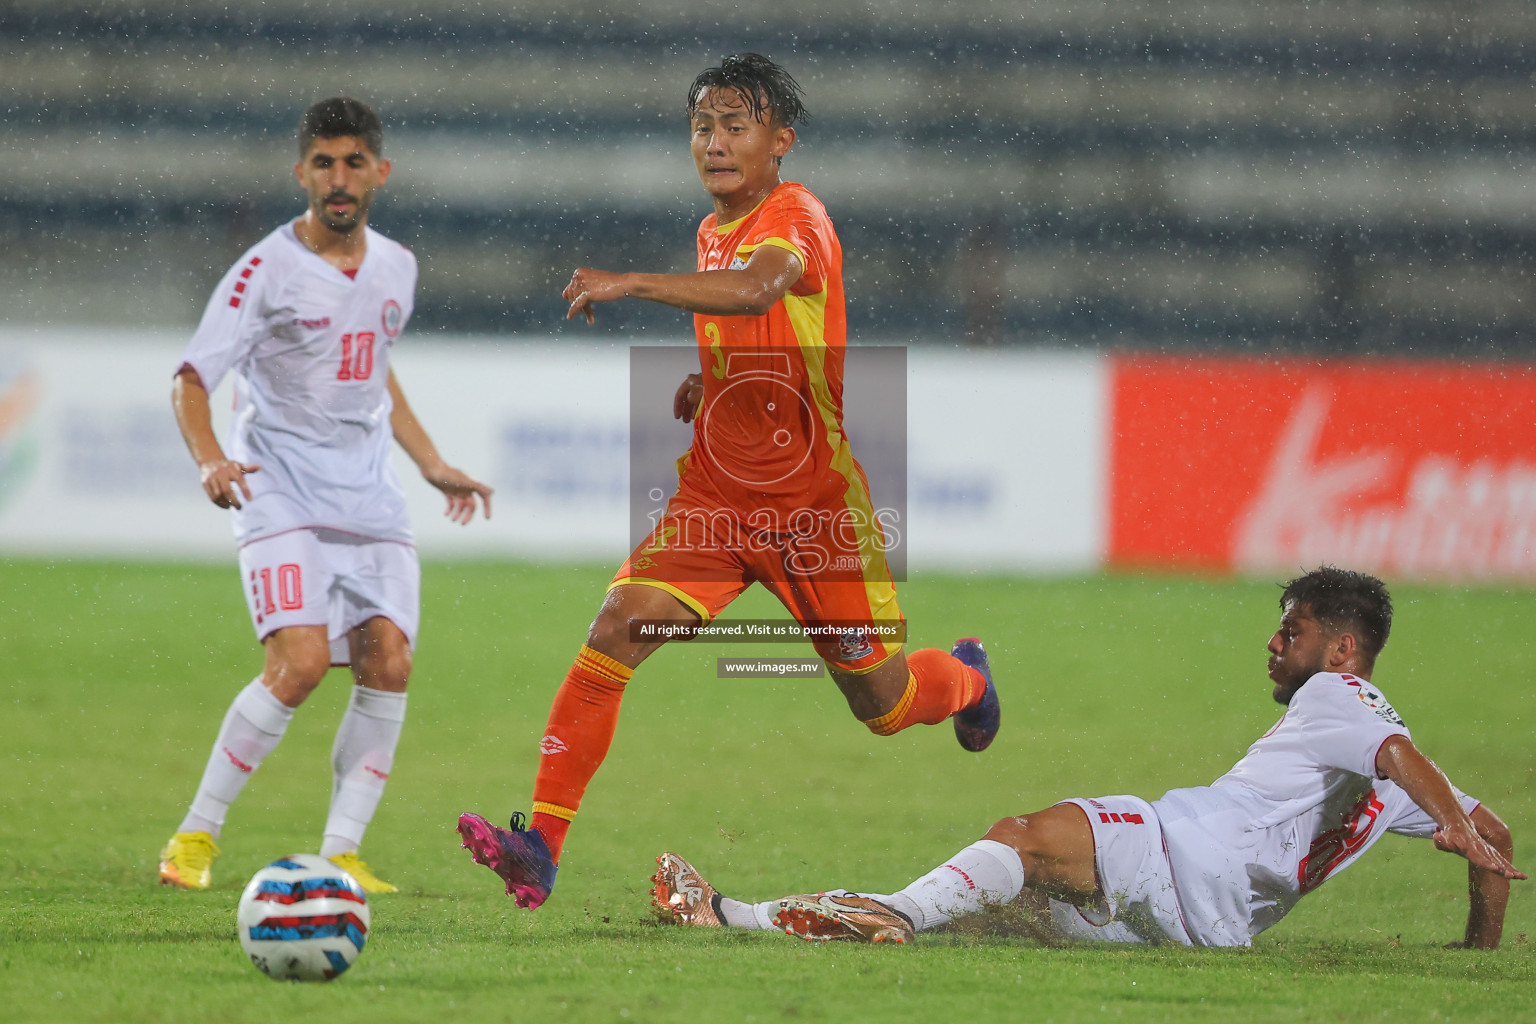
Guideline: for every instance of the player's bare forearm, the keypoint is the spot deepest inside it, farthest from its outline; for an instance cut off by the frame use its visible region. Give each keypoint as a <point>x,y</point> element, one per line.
<point>409,432</point>
<point>711,292</point>
<point>223,479</point>
<point>189,401</point>
<point>1487,896</point>
<point>1403,763</point>
<point>1488,891</point>
<point>457,486</point>
<point>1423,781</point>
<point>749,291</point>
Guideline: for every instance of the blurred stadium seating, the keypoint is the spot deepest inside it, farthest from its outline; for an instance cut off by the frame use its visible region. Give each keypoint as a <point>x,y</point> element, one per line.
<point>1289,176</point>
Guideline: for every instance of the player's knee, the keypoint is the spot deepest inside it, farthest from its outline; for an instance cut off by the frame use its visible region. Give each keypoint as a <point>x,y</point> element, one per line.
<point>386,670</point>
<point>1031,836</point>
<point>609,632</point>
<point>1014,832</point>
<point>294,675</point>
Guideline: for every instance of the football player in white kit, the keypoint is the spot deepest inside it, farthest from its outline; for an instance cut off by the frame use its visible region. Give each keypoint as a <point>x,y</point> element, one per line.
<point>1208,866</point>
<point>305,320</point>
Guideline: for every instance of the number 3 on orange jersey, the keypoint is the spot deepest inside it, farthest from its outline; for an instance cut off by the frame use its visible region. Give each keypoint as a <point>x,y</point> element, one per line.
<point>712,332</point>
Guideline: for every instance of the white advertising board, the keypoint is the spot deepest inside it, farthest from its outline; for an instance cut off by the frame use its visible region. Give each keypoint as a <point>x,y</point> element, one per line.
<point>1005,471</point>
<point>1007,460</point>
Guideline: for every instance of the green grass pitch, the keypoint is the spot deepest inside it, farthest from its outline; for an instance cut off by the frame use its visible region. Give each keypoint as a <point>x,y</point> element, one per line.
<point>114,677</point>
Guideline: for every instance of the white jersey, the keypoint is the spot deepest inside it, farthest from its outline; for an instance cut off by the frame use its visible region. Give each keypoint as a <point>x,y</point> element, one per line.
<point>1303,804</point>
<point>309,348</point>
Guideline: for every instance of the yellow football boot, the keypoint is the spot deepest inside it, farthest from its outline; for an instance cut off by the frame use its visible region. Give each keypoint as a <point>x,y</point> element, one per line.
<point>358,868</point>
<point>186,860</point>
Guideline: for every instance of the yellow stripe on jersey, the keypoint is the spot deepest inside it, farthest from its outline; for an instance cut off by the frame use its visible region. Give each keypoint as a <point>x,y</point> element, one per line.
<point>807,317</point>
<point>746,251</point>
<point>725,229</point>
<point>687,599</point>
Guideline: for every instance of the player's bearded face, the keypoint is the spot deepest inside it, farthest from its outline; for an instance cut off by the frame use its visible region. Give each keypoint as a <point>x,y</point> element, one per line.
<point>340,176</point>
<point>1297,651</point>
<point>340,210</point>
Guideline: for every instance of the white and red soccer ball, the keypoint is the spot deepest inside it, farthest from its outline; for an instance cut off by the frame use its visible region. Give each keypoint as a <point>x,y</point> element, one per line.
<point>303,918</point>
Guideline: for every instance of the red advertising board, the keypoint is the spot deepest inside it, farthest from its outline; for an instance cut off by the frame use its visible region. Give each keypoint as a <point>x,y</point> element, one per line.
<point>1408,468</point>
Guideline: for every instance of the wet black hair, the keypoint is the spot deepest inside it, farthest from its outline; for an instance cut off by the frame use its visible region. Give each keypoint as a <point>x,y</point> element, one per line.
<point>339,117</point>
<point>1344,600</point>
<point>766,88</point>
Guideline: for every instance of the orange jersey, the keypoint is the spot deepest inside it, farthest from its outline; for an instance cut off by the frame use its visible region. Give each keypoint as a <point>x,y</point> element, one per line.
<point>769,434</point>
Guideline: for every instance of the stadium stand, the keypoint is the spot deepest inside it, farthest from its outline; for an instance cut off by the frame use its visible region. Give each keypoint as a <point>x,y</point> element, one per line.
<point>1178,175</point>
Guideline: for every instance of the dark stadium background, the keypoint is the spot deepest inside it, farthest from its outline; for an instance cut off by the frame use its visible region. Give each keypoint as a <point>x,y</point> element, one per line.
<point>1285,177</point>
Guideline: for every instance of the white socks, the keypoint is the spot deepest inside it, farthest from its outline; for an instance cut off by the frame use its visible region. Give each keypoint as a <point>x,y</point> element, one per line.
<point>254,723</point>
<point>737,914</point>
<point>361,758</point>
<point>984,873</point>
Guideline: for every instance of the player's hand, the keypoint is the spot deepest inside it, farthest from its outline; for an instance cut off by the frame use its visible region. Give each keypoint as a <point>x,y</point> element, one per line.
<point>1461,838</point>
<point>685,404</point>
<point>224,481</point>
<point>461,489</point>
<point>588,286</point>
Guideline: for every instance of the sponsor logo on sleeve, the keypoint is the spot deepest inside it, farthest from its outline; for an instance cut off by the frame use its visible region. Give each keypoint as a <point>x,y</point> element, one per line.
<point>1375,701</point>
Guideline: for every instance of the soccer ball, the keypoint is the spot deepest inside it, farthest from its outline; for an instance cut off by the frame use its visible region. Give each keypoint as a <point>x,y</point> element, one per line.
<point>303,918</point>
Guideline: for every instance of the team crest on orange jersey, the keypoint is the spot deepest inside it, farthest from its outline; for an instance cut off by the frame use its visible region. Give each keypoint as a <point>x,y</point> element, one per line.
<point>854,644</point>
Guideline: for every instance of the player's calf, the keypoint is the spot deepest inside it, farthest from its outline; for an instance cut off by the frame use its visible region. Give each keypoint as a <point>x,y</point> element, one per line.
<point>940,686</point>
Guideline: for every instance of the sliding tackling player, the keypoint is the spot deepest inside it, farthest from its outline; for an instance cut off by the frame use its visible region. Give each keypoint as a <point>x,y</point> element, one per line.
<point>1207,866</point>
<point>769,491</point>
<point>306,320</point>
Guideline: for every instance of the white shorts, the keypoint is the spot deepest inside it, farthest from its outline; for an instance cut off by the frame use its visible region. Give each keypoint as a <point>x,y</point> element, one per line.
<point>1133,871</point>
<point>319,577</point>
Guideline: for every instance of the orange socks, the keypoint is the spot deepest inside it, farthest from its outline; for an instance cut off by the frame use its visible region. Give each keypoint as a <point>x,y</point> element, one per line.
<point>581,727</point>
<point>938,685</point>
<point>586,714</point>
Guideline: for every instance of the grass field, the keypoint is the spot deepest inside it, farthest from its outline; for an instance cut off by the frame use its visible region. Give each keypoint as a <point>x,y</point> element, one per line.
<point>114,678</point>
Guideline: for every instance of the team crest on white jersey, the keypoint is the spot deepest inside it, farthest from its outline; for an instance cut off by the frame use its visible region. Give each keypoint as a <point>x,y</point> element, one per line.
<point>1374,700</point>
<point>392,317</point>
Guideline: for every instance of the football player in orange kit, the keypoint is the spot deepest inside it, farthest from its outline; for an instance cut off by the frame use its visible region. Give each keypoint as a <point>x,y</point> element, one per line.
<point>769,491</point>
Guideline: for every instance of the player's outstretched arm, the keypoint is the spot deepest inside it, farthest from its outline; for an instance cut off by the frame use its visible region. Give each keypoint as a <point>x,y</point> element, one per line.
<point>1403,763</point>
<point>750,291</point>
<point>223,478</point>
<point>1480,837</point>
<point>459,487</point>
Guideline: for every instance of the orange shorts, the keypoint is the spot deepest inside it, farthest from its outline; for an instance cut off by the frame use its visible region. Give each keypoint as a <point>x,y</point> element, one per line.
<point>829,568</point>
